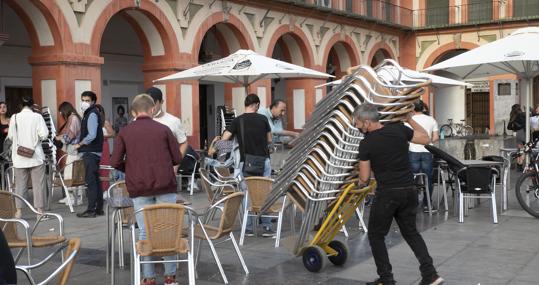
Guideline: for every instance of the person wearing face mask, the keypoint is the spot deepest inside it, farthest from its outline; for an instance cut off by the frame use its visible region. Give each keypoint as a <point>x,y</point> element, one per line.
<point>153,151</point>
<point>275,113</point>
<point>91,147</point>
<point>384,151</point>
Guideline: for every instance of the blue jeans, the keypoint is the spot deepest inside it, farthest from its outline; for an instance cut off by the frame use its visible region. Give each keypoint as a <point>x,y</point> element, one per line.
<point>264,221</point>
<point>139,203</point>
<point>421,162</point>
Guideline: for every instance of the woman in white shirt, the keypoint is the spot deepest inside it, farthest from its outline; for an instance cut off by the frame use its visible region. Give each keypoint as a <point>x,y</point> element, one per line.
<point>28,129</point>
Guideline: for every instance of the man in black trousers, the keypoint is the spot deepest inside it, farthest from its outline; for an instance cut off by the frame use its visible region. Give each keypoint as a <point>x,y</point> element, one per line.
<point>384,151</point>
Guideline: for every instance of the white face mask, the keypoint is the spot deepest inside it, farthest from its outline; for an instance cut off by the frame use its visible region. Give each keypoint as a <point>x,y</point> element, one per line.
<point>84,106</point>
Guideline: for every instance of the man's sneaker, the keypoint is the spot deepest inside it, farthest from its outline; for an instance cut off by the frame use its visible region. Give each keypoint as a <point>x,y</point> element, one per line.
<point>148,281</point>
<point>249,233</point>
<point>268,232</point>
<point>434,280</point>
<point>170,280</point>
<point>380,282</point>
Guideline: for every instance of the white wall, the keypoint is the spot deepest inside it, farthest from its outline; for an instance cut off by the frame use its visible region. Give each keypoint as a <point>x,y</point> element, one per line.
<point>449,103</point>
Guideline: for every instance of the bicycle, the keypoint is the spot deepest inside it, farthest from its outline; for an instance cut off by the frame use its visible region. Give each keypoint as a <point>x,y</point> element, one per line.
<point>527,187</point>
<point>458,129</point>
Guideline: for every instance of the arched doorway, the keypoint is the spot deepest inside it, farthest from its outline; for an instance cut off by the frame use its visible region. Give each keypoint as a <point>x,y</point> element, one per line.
<point>297,93</point>
<point>220,40</point>
<point>340,57</point>
<point>121,74</point>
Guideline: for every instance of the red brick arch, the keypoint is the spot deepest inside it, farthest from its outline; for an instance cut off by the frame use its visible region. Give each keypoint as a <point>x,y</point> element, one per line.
<point>300,38</point>
<point>348,44</point>
<point>156,16</point>
<point>32,32</point>
<point>380,46</point>
<point>445,49</point>
<point>235,24</point>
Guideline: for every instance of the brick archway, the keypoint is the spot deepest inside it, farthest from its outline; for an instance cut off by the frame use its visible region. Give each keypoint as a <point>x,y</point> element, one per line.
<point>344,50</point>
<point>147,9</point>
<point>236,26</point>
<point>444,49</point>
<point>384,48</point>
<point>300,39</point>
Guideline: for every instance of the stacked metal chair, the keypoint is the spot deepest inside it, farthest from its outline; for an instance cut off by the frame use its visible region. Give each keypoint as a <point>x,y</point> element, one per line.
<point>325,160</point>
<point>224,117</point>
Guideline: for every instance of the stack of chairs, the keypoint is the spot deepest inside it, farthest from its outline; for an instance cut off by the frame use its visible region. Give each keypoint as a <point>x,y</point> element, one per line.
<point>224,117</point>
<point>48,147</point>
<point>325,158</point>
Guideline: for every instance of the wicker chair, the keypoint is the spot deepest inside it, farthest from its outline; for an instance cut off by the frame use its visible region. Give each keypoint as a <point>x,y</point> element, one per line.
<point>231,205</point>
<point>208,185</point>
<point>119,213</point>
<point>62,271</point>
<point>163,224</point>
<point>77,179</point>
<point>8,224</point>
<point>258,189</point>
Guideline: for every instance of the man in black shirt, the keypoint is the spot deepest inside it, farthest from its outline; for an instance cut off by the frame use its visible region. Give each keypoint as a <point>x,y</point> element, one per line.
<point>384,151</point>
<point>253,138</point>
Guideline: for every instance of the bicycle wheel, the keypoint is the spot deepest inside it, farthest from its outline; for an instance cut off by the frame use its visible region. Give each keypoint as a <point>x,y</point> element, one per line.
<point>527,192</point>
<point>467,130</point>
<point>446,130</point>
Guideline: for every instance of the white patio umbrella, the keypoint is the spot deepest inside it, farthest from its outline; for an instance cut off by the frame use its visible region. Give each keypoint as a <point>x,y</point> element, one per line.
<point>245,67</point>
<point>515,54</point>
<point>389,73</point>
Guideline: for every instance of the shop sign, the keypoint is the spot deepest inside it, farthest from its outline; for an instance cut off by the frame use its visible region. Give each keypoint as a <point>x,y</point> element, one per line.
<point>480,86</point>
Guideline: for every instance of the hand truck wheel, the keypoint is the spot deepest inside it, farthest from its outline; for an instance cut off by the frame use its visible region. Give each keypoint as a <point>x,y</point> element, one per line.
<point>314,258</point>
<point>342,252</point>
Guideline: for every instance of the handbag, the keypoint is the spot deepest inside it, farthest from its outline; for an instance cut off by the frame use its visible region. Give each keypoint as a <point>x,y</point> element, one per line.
<point>22,150</point>
<point>253,165</point>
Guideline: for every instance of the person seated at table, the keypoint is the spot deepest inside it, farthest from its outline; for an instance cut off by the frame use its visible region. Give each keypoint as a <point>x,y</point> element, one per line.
<point>149,172</point>
<point>219,153</point>
<point>275,113</point>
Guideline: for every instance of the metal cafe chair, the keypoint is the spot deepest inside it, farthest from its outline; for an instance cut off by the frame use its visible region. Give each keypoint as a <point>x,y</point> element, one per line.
<point>62,271</point>
<point>477,182</point>
<point>8,224</point>
<point>164,237</point>
<point>258,188</point>
<point>223,232</point>
<point>423,185</point>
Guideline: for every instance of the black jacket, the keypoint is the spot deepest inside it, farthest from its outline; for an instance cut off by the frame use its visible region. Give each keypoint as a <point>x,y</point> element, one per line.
<point>97,144</point>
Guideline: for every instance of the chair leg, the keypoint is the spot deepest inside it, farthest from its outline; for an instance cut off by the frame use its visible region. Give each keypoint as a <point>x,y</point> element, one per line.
<point>345,231</point>
<point>444,192</point>
<point>197,252</point>
<point>237,248</point>
<point>244,225</point>
<point>192,184</point>
<point>113,246</point>
<point>191,268</point>
<point>494,210</point>
<point>461,207</point>
<point>427,193</point>
<point>359,214</point>
<point>280,224</point>
<point>216,257</point>
<point>107,260</point>
<point>293,218</point>
<point>120,241</point>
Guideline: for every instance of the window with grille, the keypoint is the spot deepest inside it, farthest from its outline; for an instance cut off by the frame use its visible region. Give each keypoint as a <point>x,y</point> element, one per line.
<point>525,8</point>
<point>479,10</point>
<point>437,12</point>
<point>349,6</point>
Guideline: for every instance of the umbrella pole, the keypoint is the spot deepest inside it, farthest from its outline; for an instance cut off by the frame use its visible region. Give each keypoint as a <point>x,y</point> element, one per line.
<point>529,90</point>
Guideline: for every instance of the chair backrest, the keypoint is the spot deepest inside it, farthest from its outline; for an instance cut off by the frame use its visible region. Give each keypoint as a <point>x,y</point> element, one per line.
<point>259,188</point>
<point>205,183</point>
<point>164,224</point>
<point>78,175</point>
<point>231,206</point>
<point>478,180</point>
<point>223,172</point>
<point>119,198</point>
<point>7,211</point>
<point>72,248</point>
<point>496,158</point>
<point>452,161</point>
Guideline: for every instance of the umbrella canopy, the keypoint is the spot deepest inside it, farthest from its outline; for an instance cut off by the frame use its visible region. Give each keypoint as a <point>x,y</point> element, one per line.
<point>515,54</point>
<point>391,73</point>
<point>245,67</point>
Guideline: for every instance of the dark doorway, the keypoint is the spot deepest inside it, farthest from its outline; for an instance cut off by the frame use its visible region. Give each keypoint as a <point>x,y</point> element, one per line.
<point>14,98</point>
<point>478,110</point>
